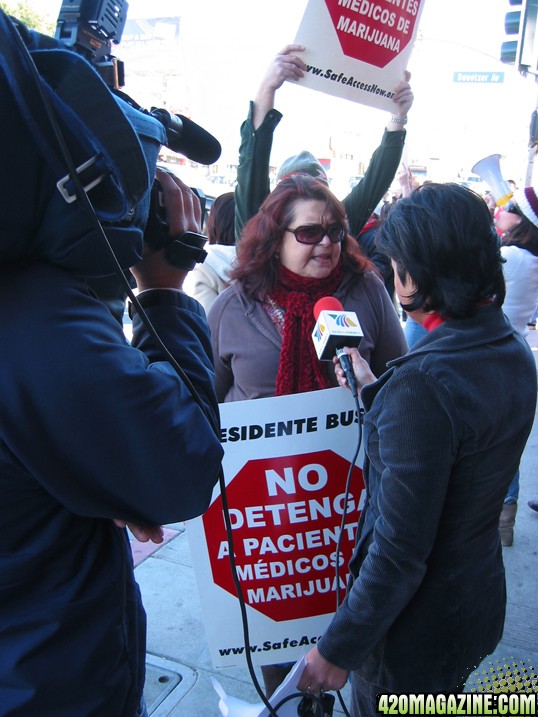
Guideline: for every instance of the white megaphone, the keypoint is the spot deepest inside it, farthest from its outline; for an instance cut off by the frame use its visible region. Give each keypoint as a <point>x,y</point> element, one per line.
<point>489,169</point>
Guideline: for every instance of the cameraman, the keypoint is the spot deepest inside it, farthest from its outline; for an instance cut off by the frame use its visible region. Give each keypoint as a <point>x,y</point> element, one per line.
<point>95,434</point>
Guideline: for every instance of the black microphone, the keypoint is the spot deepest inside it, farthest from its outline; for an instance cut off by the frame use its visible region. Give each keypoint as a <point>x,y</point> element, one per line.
<point>188,138</point>
<point>334,329</point>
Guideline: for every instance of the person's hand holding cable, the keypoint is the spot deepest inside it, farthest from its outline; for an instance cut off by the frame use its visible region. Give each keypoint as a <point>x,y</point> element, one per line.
<point>320,674</point>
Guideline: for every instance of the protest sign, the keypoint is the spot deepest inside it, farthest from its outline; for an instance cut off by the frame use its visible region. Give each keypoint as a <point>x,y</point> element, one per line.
<point>358,49</point>
<point>287,461</point>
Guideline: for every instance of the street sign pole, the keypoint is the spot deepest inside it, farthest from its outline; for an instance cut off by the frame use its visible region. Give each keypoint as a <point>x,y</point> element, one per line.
<point>533,143</point>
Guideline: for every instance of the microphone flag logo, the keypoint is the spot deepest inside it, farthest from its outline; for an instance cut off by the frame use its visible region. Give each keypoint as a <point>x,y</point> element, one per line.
<point>343,319</point>
<point>333,330</point>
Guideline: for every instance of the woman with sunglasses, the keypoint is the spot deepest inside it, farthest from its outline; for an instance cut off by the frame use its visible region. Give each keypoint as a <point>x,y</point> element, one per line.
<point>294,251</point>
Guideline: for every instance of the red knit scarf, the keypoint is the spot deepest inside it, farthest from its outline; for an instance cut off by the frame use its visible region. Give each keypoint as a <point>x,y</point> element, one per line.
<point>299,368</point>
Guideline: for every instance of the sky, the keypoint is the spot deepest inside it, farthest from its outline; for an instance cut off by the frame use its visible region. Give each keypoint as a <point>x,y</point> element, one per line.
<point>226,48</point>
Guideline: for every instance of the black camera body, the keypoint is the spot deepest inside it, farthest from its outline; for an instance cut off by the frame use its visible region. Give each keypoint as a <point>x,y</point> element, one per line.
<point>90,27</point>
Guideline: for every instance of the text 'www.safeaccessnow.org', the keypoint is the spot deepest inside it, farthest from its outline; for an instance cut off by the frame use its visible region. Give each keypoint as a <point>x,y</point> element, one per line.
<point>269,646</point>
<point>349,81</point>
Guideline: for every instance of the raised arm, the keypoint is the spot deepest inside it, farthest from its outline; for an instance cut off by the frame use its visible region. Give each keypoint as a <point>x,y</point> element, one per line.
<point>363,198</point>
<point>257,136</point>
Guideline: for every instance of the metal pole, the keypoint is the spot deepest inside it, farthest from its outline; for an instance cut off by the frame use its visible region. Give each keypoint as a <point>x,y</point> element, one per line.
<point>530,166</point>
<point>533,129</point>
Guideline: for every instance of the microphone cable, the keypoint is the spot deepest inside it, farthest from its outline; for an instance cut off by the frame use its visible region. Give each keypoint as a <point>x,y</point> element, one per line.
<point>359,412</point>
<point>353,461</point>
<point>273,711</point>
<point>240,596</point>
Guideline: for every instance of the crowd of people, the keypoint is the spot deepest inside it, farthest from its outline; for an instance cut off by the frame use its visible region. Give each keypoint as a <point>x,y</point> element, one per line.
<point>296,245</point>
<point>102,434</point>
<point>439,240</point>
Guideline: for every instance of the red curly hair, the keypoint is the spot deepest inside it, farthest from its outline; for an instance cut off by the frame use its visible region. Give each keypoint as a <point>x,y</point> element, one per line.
<point>257,262</point>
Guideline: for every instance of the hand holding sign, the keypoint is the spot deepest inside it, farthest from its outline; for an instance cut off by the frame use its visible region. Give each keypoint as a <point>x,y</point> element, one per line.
<point>403,96</point>
<point>285,66</point>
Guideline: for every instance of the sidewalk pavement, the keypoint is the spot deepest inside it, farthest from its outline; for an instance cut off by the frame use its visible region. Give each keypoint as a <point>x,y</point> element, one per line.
<point>179,669</point>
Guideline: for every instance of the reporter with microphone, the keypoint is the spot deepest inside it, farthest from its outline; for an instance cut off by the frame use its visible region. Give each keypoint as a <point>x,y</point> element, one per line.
<point>295,251</point>
<point>444,430</point>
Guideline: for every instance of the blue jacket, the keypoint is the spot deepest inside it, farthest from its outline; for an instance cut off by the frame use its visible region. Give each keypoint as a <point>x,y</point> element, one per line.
<point>444,431</point>
<point>91,429</point>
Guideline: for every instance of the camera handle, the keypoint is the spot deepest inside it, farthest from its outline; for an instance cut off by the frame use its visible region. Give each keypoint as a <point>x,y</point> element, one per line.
<point>183,251</point>
<point>186,251</point>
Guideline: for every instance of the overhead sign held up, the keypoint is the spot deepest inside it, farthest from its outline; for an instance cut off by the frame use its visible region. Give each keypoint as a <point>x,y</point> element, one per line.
<point>358,49</point>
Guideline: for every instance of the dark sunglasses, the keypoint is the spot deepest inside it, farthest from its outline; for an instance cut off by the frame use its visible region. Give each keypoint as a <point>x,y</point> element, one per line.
<point>314,233</point>
<point>512,208</point>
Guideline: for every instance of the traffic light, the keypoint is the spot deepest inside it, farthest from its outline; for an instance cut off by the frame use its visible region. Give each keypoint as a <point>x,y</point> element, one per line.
<point>512,22</point>
<point>520,25</point>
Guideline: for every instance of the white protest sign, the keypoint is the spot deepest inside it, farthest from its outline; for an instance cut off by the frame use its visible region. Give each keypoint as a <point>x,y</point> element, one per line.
<point>358,49</point>
<point>286,463</point>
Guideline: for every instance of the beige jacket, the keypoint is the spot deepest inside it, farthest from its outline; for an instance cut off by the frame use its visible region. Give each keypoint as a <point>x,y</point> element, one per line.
<point>207,280</point>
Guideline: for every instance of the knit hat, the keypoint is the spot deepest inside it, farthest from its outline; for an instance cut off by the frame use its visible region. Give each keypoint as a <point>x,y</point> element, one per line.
<point>527,201</point>
<point>302,163</point>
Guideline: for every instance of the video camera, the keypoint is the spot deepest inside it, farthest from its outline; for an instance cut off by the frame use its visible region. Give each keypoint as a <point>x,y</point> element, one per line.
<point>90,27</point>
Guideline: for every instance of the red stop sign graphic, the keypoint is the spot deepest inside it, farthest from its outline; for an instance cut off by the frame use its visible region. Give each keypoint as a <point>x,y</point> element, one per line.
<point>286,514</point>
<point>374,31</point>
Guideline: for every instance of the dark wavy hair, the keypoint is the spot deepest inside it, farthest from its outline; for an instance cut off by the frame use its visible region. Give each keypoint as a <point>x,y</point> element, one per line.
<point>443,237</point>
<point>258,260</point>
<point>220,225</point>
